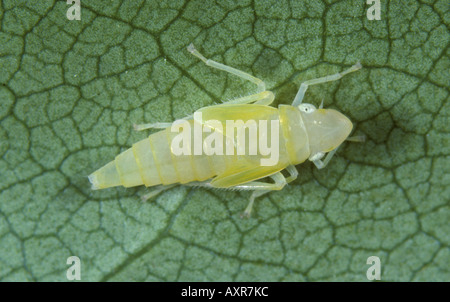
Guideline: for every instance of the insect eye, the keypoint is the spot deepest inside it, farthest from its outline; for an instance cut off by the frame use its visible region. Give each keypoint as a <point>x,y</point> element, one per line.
<point>307,108</point>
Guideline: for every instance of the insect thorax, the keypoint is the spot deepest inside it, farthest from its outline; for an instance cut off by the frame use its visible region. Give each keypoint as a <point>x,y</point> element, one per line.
<point>294,133</point>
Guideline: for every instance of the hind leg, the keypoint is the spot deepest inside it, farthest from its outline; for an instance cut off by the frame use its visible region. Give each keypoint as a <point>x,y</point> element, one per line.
<point>263,97</point>
<point>258,187</point>
<point>293,175</point>
<point>237,72</point>
<point>156,191</point>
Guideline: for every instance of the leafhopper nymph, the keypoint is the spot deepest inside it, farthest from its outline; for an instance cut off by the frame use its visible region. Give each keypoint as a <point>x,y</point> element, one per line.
<point>303,132</point>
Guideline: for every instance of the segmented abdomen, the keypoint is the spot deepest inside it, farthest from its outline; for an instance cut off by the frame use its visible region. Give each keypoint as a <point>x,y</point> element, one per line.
<point>151,162</point>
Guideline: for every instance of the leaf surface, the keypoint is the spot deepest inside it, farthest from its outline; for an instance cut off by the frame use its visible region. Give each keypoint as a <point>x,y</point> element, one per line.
<point>71,90</point>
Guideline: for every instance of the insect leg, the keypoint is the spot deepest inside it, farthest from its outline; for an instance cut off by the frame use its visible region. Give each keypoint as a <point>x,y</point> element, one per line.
<point>279,183</point>
<point>157,190</point>
<point>301,92</point>
<point>262,98</point>
<point>140,127</point>
<point>248,209</point>
<point>259,188</point>
<point>237,72</point>
<point>357,138</point>
<point>293,173</point>
<point>322,164</point>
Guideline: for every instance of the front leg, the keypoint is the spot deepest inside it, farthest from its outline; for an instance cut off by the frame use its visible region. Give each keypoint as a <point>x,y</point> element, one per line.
<point>322,164</point>
<point>301,92</point>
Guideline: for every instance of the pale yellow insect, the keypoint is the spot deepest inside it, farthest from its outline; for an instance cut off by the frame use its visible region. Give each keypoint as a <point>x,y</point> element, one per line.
<point>305,133</point>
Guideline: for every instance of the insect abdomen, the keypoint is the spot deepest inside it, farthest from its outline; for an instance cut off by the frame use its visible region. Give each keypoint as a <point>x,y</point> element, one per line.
<point>151,162</point>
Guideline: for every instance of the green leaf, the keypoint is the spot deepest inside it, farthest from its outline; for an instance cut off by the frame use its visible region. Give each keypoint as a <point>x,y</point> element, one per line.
<point>71,90</point>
